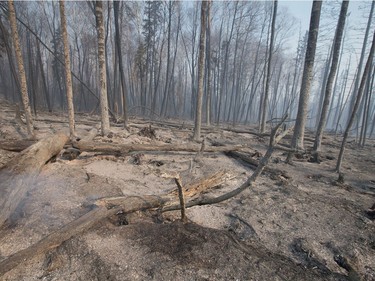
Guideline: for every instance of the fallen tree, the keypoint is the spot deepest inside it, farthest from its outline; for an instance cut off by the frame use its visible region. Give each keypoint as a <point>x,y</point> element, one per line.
<point>16,145</point>
<point>20,145</point>
<point>104,208</point>
<point>249,182</point>
<point>19,174</point>
<point>90,146</point>
<point>255,163</point>
<point>107,207</point>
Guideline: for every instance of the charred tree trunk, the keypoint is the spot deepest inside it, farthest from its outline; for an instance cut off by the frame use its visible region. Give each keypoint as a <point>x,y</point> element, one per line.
<point>208,64</point>
<point>268,78</point>
<point>331,77</point>
<point>366,111</point>
<point>10,59</point>
<point>44,82</point>
<point>21,69</point>
<point>202,46</point>
<point>68,75</point>
<point>299,131</point>
<point>116,9</point>
<point>357,103</point>
<point>102,67</point>
<point>359,71</point>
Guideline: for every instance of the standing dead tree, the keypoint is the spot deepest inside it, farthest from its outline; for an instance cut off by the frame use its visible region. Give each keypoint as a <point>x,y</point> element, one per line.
<point>299,129</point>
<point>58,59</point>
<point>68,75</point>
<point>356,104</point>
<point>202,47</point>
<point>116,8</point>
<point>331,77</point>
<point>5,40</point>
<point>361,59</point>
<point>21,69</point>
<point>208,64</point>
<point>102,67</point>
<point>274,139</point>
<point>268,78</point>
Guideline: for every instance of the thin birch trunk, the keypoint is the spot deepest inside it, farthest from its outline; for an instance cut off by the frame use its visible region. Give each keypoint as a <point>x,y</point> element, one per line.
<point>202,47</point>
<point>331,77</point>
<point>299,130</point>
<point>21,69</point>
<point>268,79</point>
<point>102,68</point>
<point>116,7</point>
<point>68,76</point>
<point>356,104</point>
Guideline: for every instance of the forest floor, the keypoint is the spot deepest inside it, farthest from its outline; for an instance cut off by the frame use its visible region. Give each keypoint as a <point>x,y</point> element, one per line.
<point>287,226</point>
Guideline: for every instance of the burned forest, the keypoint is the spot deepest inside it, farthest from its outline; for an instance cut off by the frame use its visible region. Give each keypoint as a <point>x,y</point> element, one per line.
<point>187,140</point>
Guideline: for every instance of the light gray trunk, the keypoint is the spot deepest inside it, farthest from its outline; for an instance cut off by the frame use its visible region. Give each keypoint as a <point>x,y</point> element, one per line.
<point>366,109</point>
<point>102,68</point>
<point>268,78</point>
<point>21,69</point>
<point>119,57</point>
<point>68,76</point>
<point>299,130</point>
<point>202,47</point>
<point>358,77</point>
<point>208,60</point>
<point>356,104</point>
<point>332,75</point>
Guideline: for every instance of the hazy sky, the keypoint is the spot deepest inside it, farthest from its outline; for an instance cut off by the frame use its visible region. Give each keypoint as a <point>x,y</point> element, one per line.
<point>357,18</point>
<point>300,10</point>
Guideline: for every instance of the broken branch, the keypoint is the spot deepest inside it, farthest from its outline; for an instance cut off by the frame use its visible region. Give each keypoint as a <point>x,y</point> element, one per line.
<point>16,145</point>
<point>248,183</point>
<point>181,197</point>
<point>127,205</point>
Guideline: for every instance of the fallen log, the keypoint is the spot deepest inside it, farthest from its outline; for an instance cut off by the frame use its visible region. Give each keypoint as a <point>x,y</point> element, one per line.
<point>244,157</point>
<point>89,146</point>
<point>194,189</point>
<point>255,163</point>
<point>63,121</point>
<point>105,208</point>
<point>71,153</point>
<point>16,145</point>
<point>19,145</point>
<point>190,190</point>
<point>19,174</point>
<point>130,204</point>
<point>274,139</point>
<point>90,135</point>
